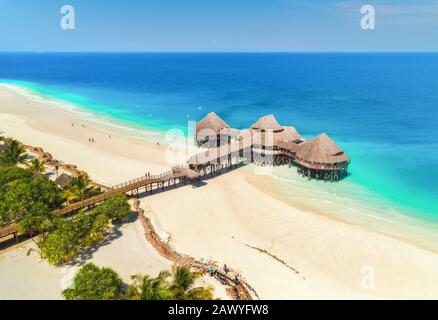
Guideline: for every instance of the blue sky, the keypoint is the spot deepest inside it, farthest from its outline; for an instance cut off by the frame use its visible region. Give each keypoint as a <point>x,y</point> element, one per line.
<point>213,25</point>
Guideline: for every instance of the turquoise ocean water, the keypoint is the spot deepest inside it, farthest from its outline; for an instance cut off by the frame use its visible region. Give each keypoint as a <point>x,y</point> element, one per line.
<point>382,109</point>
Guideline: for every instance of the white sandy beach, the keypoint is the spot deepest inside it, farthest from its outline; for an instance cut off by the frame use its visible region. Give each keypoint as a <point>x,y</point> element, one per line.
<point>220,220</point>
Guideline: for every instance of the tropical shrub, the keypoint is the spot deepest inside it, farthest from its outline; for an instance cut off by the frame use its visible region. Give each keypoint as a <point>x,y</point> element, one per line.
<point>94,283</point>
<point>22,197</point>
<point>116,207</point>
<point>70,238</point>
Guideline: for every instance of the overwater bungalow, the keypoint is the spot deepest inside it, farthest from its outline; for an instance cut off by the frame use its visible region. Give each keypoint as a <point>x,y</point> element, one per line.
<point>266,142</point>
<point>211,130</point>
<point>267,123</point>
<point>272,142</point>
<point>321,158</point>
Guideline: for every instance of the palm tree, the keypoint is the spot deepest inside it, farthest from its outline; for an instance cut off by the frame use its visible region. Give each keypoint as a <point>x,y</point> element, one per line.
<point>14,153</point>
<point>37,166</point>
<point>182,286</point>
<point>149,288</point>
<point>80,188</point>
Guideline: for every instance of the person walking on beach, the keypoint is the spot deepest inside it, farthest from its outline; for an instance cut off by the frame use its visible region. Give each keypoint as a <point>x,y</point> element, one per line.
<point>226,270</point>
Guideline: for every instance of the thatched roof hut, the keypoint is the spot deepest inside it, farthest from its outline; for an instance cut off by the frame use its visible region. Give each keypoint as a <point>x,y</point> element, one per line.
<point>290,146</point>
<point>320,151</point>
<point>288,134</point>
<point>63,180</point>
<point>211,123</point>
<point>267,123</point>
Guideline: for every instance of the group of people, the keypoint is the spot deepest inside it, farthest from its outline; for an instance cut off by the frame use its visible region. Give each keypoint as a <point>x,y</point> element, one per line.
<point>211,270</point>
<point>90,139</point>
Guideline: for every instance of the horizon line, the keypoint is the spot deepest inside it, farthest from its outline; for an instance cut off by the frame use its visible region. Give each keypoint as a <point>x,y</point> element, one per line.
<point>194,51</point>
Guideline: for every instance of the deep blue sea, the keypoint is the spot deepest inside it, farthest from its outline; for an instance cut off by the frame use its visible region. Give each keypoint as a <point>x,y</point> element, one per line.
<point>382,109</point>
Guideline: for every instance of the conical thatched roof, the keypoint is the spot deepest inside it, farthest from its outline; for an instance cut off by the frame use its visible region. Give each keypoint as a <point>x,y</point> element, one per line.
<point>288,134</point>
<point>212,122</point>
<point>267,123</point>
<point>321,149</point>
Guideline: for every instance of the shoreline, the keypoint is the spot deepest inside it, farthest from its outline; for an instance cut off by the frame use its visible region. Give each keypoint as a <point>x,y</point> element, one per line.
<point>236,289</point>
<point>231,212</point>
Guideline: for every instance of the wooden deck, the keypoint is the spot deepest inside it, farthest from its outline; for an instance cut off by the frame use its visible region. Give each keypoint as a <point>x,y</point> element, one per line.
<point>178,174</point>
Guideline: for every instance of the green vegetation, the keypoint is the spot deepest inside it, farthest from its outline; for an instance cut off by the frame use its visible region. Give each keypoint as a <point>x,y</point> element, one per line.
<point>79,188</point>
<point>37,166</point>
<point>13,153</point>
<point>71,238</point>
<point>29,199</point>
<point>182,286</point>
<point>115,208</point>
<point>25,198</point>
<point>94,283</point>
<point>145,287</point>
<point>176,285</point>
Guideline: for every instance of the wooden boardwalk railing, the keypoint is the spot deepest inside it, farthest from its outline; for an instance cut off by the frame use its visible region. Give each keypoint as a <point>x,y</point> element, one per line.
<point>178,172</point>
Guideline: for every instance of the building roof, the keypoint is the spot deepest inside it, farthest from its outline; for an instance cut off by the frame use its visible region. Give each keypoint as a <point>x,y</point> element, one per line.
<point>210,123</point>
<point>287,145</point>
<point>321,149</point>
<point>288,134</point>
<point>230,132</point>
<point>267,123</point>
<point>63,180</point>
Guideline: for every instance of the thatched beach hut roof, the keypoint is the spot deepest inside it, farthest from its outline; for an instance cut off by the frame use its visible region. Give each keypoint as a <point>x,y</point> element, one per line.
<point>267,123</point>
<point>211,122</point>
<point>321,150</point>
<point>63,180</point>
<point>230,132</point>
<point>288,134</point>
<point>287,145</point>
